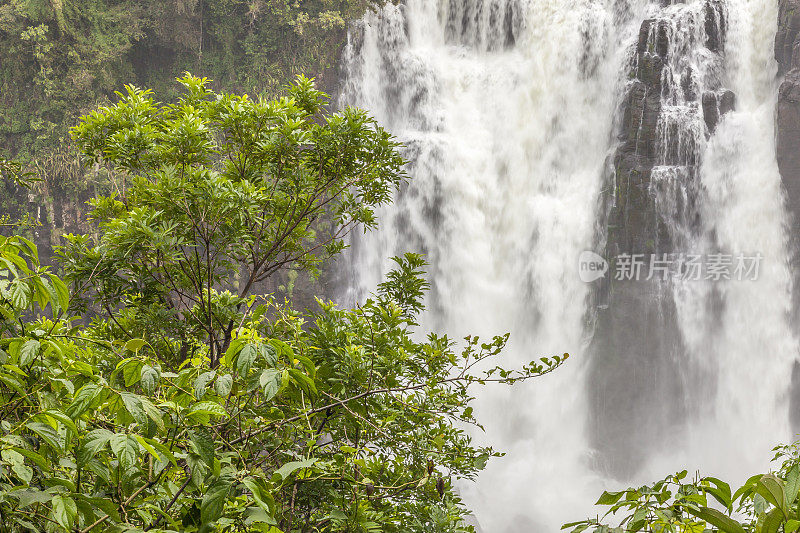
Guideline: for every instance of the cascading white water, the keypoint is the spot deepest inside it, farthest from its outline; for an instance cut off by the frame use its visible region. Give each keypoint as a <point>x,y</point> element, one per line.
<point>507,109</point>
<point>743,340</point>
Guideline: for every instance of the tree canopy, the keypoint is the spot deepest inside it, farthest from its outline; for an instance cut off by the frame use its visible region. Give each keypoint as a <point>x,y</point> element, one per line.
<point>153,390</point>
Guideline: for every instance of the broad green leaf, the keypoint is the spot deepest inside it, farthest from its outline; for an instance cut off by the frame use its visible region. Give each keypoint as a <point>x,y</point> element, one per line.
<point>203,444</point>
<point>84,399</point>
<point>289,468</point>
<point>13,383</point>
<point>262,497</point>
<point>63,418</point>
<point>610,498</point>
<point>233,350</point>
<point>149,379</point>
<point>720,490</point>
<point>773,521</point>
<point>207,408</point>
<point>37,459</point>
<point>745,489</point>
<point>214,500</point>
<point>271,382</point>
<point>30,496</point>
<point>94,441</point>
<point>202,382</point>
<point>134,345</point>
<point>133,404</point>
<point>153,413</point>
<point>20,294</point>
<point>792,484</point>
<point>126,448</point>
<point>132,371</point>
<point>770,488</point>
<point>61,290</point>
<point>246,358</point>
<point>28,352</point>
<point>48,434</point>
<point>64,511</point>
<point>717,519</point>
<point>303,381</point>
<point>223,385</point>
<point>17,463</point>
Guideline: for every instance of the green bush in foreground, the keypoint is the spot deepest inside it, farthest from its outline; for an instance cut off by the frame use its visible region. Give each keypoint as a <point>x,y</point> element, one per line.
<point>766,503</point>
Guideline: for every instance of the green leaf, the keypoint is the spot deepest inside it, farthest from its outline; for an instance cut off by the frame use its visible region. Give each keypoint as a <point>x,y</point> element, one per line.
<point>30,496</point>
<point>64,511</point>
<point>132,371</point>
<point>17,463</point>
<point>610,498</point>
<point>716,519</point>
<point>94,441</point>
<point>61,291</point>
<point>28,352</point>
<point>149,379</point>
<point>773,521</point>
<point>84,398</point>
<point>203,444</point>
<point>125,448</point>
<point>20,294</point>
<point>791,526</point>
<point>153,413</point>
<point>271,382</point>
<point>721,491</point>
<point>223,385</point>
<point>303,381</point>
<point>40,461</point>
<point>48,434</point>
<point>747,487</point>
<point>64,419</point>
<point>289,468</point>
<point>207,408</point>
<point>134,345</point>
<point>792,484</point>
<point>133,404</point>
<point>202,382</point>
<point>246,358</point>
<point>770,488</point>
<point>261,496</point>
<point>214,500</point>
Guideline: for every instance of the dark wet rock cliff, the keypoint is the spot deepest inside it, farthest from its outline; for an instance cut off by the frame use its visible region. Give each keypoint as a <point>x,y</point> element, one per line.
<point>668,111</point>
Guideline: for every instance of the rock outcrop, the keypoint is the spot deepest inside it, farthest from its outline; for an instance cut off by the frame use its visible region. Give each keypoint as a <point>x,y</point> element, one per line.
<point>669,109</point>
<point>787,52</point>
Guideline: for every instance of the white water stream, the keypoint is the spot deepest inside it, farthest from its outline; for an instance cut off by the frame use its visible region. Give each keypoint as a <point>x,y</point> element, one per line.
<point>507,108</point>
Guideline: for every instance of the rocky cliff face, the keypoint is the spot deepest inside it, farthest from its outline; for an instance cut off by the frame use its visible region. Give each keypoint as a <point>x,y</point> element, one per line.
<point>673,102</point>
<point>787,52</point>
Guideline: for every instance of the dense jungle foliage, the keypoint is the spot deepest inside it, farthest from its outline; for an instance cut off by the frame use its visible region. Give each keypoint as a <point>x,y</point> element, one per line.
<point>61,58</point>
<point>150,389</point>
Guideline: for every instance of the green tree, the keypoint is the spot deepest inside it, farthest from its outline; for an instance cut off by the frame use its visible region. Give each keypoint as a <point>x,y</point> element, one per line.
<point>188,403</point>
<point>215,194</point>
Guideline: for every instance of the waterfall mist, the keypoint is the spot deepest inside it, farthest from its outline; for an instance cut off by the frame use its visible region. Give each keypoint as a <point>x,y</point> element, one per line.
<point>523,122</point>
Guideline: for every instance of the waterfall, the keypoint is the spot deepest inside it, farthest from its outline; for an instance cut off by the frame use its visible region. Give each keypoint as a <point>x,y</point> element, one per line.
<point>530,127</point>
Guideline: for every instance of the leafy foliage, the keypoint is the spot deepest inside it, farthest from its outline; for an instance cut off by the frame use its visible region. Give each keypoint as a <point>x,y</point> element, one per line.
<point>343,424</point>
<point>218,193</point>
<point>766,503</point>
<point>184,401</point>
<point>61,58</point>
